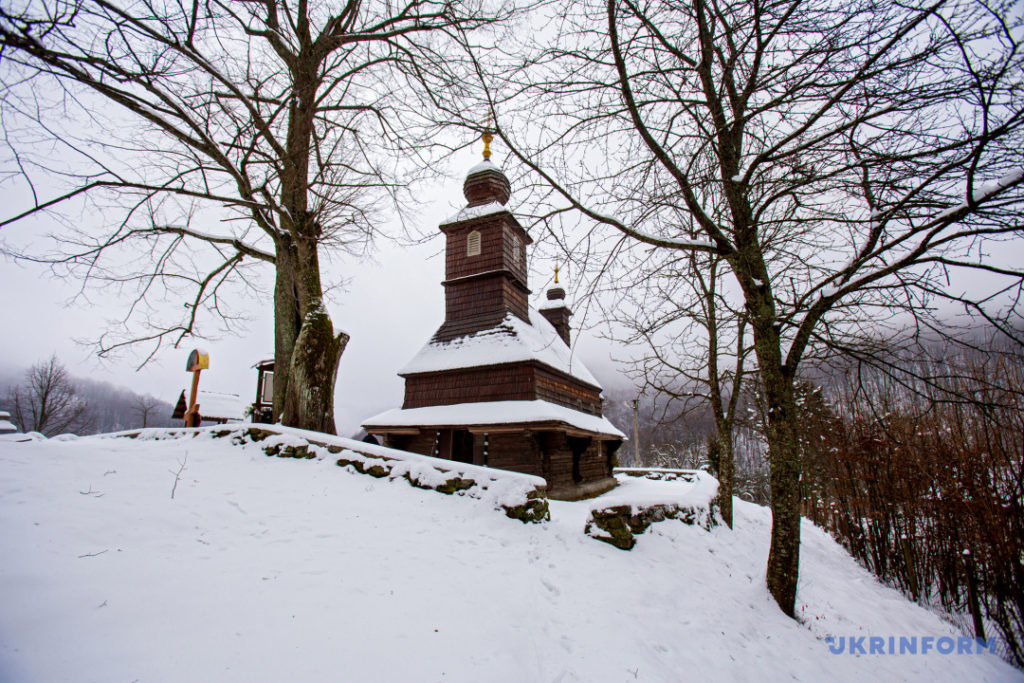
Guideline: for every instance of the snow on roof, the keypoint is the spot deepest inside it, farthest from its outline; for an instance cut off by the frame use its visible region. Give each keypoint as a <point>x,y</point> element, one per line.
<point>475,212</point>
<point>491,412</point>
<point>6,426</point>
<point>485,165</point>
<point>512,341</point>
<point>214,404</point>
<point>548,304</point>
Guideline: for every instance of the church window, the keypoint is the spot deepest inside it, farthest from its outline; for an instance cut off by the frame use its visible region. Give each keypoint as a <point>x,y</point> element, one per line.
<point>517,251</point>
<point>473,243</point>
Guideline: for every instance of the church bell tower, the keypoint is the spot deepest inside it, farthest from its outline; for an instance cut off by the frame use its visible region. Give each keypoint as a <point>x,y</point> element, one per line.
<point>485,256</point>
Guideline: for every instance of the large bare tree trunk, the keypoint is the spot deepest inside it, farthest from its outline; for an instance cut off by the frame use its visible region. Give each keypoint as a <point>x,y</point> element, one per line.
<point>311,363</point>
<point>312,367</point>
<point>784,457</point>
<point>781,432</point>
<point>286,323</point>
<point>309,402</point>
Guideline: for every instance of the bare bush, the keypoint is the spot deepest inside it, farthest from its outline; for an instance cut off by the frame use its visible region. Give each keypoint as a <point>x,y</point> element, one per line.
<point>926,489</point>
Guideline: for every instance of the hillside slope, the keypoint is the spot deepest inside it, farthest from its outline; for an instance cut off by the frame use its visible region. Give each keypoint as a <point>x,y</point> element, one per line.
<point>266,569</point>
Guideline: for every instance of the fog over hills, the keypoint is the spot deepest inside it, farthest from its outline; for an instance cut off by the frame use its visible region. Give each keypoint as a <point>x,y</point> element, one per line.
<point>111,408</point>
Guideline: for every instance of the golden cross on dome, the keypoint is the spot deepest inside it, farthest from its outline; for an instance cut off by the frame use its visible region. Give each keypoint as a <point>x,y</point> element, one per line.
<point>556,274</point>
<point>488,135</point>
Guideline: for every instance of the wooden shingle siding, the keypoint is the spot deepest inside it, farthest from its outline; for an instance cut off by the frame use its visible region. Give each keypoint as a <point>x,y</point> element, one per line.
<point>468,298</point>
<point>473,301</point>
<point>594,461</point>
<point>423,443</point>
<point>559,319</point>
<point>524,381</point>
<point>459,264</point>
<point>515,451</point>
<point>485,187</point>
<point>513,382</point>
<point>566,391</point>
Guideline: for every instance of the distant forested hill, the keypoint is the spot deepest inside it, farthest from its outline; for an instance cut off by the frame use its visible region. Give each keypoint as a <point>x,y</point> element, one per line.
<point>111,408</point>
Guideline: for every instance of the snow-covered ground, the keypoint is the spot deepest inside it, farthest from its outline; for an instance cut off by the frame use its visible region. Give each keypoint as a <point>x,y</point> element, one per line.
<point>271,569</point>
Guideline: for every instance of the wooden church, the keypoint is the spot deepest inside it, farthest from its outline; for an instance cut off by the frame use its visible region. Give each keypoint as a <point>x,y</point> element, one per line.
<point>497,385</point>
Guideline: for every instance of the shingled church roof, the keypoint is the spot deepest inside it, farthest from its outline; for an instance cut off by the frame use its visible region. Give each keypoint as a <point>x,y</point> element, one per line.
<point>513,340</point>
<point>485,413</point>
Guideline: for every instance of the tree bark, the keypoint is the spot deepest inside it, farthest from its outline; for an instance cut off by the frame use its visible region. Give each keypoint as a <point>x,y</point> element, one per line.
<point>784,477</point>
<point>726,474</point>
<point>310,358</point>
<point>782,429</point>
<point>309,402</point>
<point>316,352</point>
<point>287,322</point>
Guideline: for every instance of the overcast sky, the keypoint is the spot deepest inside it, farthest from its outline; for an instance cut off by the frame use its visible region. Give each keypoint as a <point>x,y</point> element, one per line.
<point>393,304</point>
<point>392,307</point>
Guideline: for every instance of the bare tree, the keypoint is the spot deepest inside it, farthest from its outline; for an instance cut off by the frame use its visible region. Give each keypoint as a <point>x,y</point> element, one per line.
<point>851,164</point>
<point>225,134</point>
<point>47,401</point>
<point>690,346</point>
<point>145,408</point>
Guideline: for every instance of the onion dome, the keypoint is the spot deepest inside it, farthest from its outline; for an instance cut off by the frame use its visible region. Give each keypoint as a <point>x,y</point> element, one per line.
<point>486,183</point>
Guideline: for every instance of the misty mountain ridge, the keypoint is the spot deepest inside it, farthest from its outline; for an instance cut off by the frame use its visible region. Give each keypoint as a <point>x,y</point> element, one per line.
<point>112,408</point>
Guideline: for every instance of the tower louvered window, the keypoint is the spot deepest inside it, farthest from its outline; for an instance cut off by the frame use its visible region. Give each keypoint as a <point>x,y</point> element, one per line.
<point>517,251</point>
<point>473,243</point>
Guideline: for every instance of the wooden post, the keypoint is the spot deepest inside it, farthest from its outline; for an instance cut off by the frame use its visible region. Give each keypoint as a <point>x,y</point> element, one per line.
<point>192,418</point>
<point>197,362</point>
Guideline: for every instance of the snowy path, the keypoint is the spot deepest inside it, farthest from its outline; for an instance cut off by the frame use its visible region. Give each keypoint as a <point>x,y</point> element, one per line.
<point>266,569</point>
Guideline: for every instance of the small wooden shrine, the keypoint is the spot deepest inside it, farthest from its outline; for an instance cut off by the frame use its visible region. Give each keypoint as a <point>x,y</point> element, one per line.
<point>263,406</point>
<point>498,385</point>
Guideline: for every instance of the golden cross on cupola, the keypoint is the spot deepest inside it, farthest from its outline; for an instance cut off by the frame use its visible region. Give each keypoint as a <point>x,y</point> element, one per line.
<point>556,274</point>
<point>488,135</point>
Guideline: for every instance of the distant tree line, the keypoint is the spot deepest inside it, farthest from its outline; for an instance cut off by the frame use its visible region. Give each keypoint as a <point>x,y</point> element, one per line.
<point>49,400</point>
<point>689,440</point>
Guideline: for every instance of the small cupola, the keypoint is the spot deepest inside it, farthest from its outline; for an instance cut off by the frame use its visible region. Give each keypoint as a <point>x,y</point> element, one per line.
<point>556,312</point>
<point>485,182</point>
